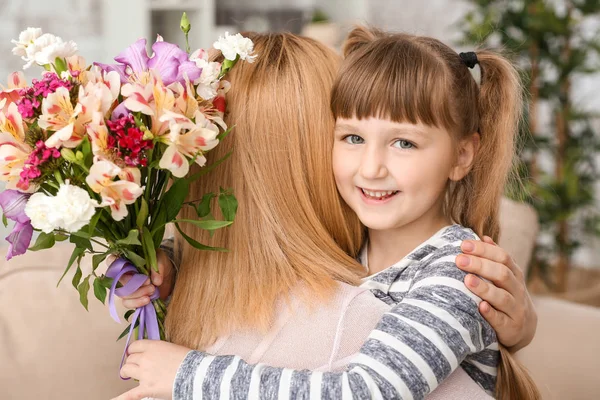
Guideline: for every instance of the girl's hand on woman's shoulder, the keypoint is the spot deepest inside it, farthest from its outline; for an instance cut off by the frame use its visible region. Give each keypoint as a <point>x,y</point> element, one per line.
<point>506,303</point>
<point>164,280</point>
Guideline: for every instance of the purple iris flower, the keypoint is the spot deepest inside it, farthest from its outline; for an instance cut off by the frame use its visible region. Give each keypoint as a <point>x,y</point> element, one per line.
<point>13,205</point>
<point>171,63</point>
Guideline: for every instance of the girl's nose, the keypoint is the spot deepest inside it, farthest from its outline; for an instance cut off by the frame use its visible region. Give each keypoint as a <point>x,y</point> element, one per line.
<point>373,165</point>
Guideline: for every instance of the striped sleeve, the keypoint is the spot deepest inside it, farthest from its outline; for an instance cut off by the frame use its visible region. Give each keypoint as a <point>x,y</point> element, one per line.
<point>414,347</point>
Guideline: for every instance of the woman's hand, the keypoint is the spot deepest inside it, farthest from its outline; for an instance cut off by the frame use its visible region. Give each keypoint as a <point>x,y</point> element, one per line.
<point>506,303</point>
<point>154,364</point>
<point>164,280</point>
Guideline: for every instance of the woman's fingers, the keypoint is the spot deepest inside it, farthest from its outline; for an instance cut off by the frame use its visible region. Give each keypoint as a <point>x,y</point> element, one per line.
<point>498,273</point>
<point>489,250</point>
<point>499,298</point>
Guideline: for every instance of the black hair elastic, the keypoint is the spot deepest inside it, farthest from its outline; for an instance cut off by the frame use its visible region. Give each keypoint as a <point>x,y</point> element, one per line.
<point>469,58</point>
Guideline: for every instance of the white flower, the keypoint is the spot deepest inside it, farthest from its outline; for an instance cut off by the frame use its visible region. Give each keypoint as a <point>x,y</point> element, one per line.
<point>41,210</point>
<point>26,38</point>
<point>235,45</point>
<point>75,207</point>
<point>208,81</point>
<point>71,209</point>
<point>47,48</point>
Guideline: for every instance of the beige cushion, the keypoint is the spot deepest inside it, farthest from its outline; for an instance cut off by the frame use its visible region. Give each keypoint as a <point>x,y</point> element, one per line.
<point>564,356</point>
<point>518,231</point>
<point>50,347</point>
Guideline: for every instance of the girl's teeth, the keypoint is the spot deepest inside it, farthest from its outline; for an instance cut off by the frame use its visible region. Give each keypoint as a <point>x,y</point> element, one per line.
<point>378,194</point>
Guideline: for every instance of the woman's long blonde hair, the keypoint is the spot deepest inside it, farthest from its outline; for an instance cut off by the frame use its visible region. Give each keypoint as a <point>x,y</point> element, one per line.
<point>408,78</point>
<point>292,227</point>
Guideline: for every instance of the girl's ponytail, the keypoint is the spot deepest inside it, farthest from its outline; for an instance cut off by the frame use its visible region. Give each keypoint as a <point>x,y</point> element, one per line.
<point>500,110</point>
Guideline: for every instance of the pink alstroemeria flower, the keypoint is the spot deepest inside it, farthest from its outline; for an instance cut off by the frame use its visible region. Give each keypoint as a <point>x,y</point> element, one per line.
<point>170,62</point>
<point>116,194</point>
<point>16,82</point>
<point>187,140</point>
<point>13,150</point>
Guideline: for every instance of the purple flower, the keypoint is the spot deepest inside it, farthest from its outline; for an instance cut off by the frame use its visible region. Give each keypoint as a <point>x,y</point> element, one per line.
<point>169,61</point>
<point>13,205</point>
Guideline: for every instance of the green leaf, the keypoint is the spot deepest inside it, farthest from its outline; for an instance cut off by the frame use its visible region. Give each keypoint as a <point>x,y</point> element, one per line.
<point>208,224</point>
<point>199,245</point>
<point>59,237</point>
<point>60,65</point>
<point>4,220</point>
<point>204,207</point>
<point>174,198</point>
<point>93,223</point>
<point>209,168</point>
<point>128,314</point>
<point>228,204</point>
<point>126,331</point>
<point>82,234</point>
<point>77,253</point>
<point>224,134</point>
<point>80,241</point>
<point>149,249</point>
<point>134,258</point>
<point>43,241</point>
<point>83,289</point>
<point>99,290</point>
<point>105,281</point>
<point>131,239</point>
<point>77,277</point>
<point>97,259</point>
<point>142,216</point>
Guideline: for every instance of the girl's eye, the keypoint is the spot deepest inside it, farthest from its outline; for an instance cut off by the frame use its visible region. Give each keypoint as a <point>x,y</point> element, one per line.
<point>403,144</point>
<point>354,139</point>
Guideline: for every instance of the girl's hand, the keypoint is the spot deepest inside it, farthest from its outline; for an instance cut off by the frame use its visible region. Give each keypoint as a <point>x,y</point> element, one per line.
<point>154,364</point>
<point>506,303</point>
<point>163,280</point>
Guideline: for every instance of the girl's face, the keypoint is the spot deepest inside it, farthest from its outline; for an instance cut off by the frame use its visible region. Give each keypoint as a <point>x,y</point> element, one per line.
<point>391,174</point>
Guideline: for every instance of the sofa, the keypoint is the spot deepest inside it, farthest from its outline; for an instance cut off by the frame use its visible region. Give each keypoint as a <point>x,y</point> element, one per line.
<point>52,348</point>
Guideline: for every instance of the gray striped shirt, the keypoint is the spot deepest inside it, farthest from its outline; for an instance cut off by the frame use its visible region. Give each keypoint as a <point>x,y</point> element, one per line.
<point>433,328</point>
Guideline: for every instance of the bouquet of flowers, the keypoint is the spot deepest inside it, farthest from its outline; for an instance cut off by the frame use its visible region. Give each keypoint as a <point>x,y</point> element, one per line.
<point>100,155</point>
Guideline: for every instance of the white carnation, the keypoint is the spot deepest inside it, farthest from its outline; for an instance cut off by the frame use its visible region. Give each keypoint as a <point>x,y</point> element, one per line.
<point>41,210</point>
<point>71,209</point>
<point>233,45</point>
<point>75,207</point>
<point>47,48</point>
<point>26,38</point>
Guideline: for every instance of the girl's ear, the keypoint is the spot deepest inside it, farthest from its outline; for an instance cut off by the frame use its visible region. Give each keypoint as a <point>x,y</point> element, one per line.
<point>467,149</point>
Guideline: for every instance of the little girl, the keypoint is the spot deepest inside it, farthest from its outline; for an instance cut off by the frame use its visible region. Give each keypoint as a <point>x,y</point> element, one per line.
<point>421,154</point>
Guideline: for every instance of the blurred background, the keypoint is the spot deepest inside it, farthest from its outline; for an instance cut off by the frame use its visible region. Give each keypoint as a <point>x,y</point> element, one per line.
<point>550,220</point>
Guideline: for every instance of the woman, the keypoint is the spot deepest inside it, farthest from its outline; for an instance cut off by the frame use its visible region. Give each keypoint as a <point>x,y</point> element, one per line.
<point>293,234</point>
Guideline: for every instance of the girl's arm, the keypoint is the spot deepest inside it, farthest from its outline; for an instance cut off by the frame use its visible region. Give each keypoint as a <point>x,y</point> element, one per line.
<point>414,347</point>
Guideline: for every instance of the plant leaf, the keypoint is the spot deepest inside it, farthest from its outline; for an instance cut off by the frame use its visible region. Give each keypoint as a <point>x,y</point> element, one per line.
<point>81,242</point>
<point>204,207</point>
<point>142,216</point>
<point>77,252</point>
<point>77,277</point>
<point>199,245</point>
<point>94,222</point>
<point>4,220</point>
<point>59,237</point>
<point>43,241</point>
<point>149,247</point>
<point>134,258</point>
<point>228,205</point>
<point>99,290</point>
<point>131,239</point>
<point>97,259</point>
<point>83,289</point>
<point>174,198</point>
<point>209,168</point>
<point>208,224</point>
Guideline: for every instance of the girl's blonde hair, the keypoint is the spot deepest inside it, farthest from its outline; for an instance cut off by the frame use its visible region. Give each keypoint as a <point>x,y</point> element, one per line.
<point>417,79</point>
<point>292,227</point>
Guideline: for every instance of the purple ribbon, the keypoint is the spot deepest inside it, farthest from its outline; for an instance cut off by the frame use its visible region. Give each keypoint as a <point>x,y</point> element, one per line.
<point>146,314</point>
